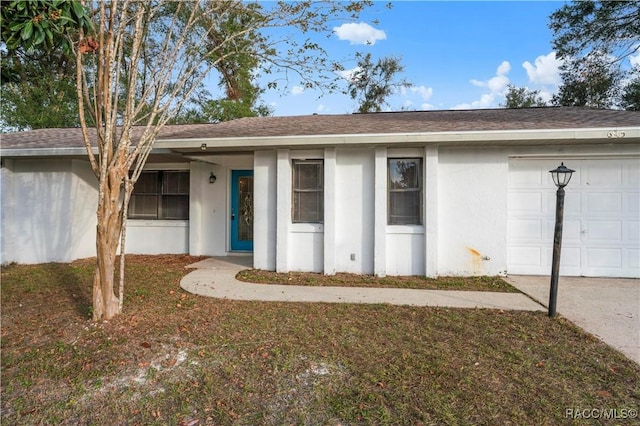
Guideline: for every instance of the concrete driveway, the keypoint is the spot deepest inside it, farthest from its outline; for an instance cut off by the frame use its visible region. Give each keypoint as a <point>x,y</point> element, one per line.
<point>608,308</point>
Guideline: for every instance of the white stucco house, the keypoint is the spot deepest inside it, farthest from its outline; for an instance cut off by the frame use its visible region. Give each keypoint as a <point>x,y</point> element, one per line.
<point>405,193</point>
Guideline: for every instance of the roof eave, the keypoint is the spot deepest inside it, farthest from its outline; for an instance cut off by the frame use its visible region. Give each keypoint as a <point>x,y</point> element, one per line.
<point>501,137</point>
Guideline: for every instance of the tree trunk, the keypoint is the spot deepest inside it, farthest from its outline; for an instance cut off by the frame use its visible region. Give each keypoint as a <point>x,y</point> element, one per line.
<point>105,303</point>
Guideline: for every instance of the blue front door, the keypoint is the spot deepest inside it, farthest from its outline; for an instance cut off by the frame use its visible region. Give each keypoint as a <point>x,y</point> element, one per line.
<point>242,210</point>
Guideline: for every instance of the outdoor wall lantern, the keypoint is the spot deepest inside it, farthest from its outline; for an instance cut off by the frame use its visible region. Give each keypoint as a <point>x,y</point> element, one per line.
<point>212,178</point>
<point>561,177</point>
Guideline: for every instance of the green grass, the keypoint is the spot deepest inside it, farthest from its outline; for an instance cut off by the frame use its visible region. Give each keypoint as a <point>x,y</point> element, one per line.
<point>177,358</point>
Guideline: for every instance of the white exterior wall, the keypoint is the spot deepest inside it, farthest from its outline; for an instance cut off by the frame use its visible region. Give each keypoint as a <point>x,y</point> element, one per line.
<point>49,214</point>
<point>157,237</point>
<point>354,211</point>
<point>48,211</point>
<point>472,211</point>
<point>264,210</point>
<point>207,210</point>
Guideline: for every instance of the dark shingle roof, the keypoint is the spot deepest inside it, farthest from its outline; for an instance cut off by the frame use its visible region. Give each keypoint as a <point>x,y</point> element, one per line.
<point>548,118</point>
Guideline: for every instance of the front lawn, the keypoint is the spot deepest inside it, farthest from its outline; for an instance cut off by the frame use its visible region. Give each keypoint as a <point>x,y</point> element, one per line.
<point>173,358</point>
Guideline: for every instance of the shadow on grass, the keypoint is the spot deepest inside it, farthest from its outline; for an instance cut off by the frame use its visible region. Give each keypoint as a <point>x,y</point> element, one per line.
<point>76,281</point>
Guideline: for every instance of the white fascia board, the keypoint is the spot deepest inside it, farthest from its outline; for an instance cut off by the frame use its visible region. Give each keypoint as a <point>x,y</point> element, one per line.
<point>44,152</point>
<point>60,152</point>
<point>513,136</point>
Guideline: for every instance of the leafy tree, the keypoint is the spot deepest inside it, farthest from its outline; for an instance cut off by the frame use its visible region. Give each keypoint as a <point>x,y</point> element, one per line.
<point>42,24</point>
<point>41,92</point>
<point>38,69</point>
<point>604,26</point>
<point>372,83</point>
<point>630,99</point>
<point>237,64</point>
<point>592,81</point>
<point>141,63</point>
<point>521,97</point>
<point>593,38</point>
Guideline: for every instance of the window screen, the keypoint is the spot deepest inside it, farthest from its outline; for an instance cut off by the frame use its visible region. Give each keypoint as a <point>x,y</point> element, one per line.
<point>160,195</point>
<point>405,191</point>
<point>308,191</point>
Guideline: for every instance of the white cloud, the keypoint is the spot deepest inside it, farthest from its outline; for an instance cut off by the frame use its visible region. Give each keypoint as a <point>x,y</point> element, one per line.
<point>297,90</point>
<point>361,33</point>
<point>321,108</point>
<point>426,106</point>
<point>488,100</point>
<point>496,85</point>
<point>425,92</point>
<point>503,68</point>
<point>545,70</point>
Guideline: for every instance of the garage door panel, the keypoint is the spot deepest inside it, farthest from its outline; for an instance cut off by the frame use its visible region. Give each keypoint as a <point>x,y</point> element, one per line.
<point>526,202</point>
<point>525,229</point>
<point>631,203</point>
<point>524,176</point>
<point>632,258</point>
<point>571,231</point>
<point>572,204</point>
<point>631,174</point>
<point>569,257</point>
<point>602,173</point>
<point>604,257</point>
<point>601,232</point>
<point>526,256</point>
<point>603,203</point>
<point>632,231</point>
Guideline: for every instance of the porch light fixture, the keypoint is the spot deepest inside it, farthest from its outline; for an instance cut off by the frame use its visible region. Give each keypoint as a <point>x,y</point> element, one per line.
<point>561,177</point>
<point>212,178</point>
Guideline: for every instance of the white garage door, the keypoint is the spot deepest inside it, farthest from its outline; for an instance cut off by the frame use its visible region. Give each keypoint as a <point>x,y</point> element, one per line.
<point>601,218</point>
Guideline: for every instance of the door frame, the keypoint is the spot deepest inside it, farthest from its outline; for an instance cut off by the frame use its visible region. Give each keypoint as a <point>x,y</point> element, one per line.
<point>234,243</point>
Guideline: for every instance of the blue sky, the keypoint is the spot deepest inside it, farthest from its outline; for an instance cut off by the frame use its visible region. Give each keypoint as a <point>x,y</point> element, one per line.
<point>456,54</point>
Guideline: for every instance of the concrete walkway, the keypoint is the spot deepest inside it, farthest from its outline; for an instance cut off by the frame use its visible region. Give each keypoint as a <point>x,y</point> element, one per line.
<point>215,277</point>
<point>608,308</point>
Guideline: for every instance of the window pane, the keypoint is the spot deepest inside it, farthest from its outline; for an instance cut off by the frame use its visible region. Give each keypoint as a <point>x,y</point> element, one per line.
<point>308,194</point>
<point>404,208</point>
<point>143,206</point>
<point>175,207</point>
<point>405,191</point>
<point>176,183</point>
<point>308,175</point>
<point>309,207</point>
<point>160,195</point>
<point>404,174</point>
<point>245,201</point>
<point>147,183</point>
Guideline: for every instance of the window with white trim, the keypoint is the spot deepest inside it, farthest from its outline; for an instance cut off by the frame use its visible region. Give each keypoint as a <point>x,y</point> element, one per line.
<point>405,191</point>
<point>160,195</point>
<point>308,191</point>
